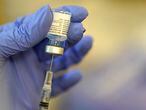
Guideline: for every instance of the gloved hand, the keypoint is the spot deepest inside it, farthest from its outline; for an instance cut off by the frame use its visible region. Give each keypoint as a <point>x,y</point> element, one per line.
<point>23,60</point>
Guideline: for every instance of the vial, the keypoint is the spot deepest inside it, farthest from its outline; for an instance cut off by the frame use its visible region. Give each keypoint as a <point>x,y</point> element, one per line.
<point>58,32</point>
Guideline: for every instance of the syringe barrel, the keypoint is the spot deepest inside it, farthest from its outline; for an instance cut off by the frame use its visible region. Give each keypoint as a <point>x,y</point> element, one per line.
<point>46,91</point>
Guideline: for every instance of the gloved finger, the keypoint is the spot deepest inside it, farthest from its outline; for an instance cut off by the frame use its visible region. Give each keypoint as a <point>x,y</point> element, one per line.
<point>26,34</point>
<point>75,34</point>
<point>72,56</point>
<point>65,82</point>
<point>78,13</point>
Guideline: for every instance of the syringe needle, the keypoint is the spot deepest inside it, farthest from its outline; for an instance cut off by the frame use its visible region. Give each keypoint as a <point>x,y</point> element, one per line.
<point>51,63</point>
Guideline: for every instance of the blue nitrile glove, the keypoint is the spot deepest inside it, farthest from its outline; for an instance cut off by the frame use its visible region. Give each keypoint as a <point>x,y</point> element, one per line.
<point>23,60</point>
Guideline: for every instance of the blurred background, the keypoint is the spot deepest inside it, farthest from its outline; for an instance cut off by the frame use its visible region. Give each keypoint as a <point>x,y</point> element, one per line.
<point>115,69</point>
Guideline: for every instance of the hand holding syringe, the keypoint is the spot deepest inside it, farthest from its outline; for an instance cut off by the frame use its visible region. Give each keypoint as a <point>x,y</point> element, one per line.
<point>23,59</point>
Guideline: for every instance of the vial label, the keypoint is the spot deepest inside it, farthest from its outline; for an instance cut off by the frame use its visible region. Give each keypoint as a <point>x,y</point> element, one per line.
<point>60,25</point>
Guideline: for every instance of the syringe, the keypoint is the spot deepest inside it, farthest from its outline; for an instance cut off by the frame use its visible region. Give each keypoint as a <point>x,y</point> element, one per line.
<point>57,36</point>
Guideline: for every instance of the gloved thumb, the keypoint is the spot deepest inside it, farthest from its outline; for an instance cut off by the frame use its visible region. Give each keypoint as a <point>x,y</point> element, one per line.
<point>26,32</point>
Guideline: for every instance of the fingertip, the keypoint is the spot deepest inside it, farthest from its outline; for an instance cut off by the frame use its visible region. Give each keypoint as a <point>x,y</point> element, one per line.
<point>70,79</point>
<point>66,82</point>
<point>84,45</point>
<point>88,39</point>
<point>73,75</point>
<point>75,33</point>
